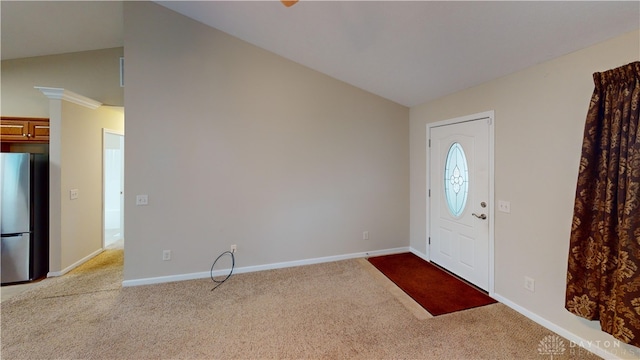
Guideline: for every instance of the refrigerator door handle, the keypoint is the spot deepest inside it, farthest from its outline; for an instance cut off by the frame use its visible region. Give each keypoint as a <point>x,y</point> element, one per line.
<point>14,234</point>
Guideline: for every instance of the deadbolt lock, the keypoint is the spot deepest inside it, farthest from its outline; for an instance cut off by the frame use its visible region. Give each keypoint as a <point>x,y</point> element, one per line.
<point>483,204</point>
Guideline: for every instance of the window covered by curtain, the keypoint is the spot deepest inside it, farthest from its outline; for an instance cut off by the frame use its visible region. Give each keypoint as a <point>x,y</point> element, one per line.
<point>603,278</point>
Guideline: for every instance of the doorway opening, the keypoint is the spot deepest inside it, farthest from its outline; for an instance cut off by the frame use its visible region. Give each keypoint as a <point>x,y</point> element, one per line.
<point>113,188</point>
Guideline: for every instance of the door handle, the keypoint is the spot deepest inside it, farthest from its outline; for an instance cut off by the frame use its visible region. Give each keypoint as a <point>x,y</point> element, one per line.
<point>481,216</point>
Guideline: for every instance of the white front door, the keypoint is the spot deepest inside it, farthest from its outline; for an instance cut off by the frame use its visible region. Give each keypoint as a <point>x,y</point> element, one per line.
<point>459,203</point>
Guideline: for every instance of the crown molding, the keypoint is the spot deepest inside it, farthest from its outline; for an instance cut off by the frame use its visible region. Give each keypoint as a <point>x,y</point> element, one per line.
<point>70,96</point>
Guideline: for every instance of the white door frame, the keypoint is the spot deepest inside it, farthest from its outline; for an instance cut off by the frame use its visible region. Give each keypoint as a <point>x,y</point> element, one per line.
<point>490,116</point>
<point>104,134</point>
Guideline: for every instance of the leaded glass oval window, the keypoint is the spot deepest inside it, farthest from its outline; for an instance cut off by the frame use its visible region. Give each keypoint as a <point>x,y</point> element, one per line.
<point>456,179</point>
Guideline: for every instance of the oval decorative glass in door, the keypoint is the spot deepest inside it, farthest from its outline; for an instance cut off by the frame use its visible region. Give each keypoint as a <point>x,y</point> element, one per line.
<point>456,179</point>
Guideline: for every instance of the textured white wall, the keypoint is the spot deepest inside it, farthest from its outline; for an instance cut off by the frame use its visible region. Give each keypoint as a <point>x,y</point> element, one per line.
<point>539,121</point>
<point>235,145</point>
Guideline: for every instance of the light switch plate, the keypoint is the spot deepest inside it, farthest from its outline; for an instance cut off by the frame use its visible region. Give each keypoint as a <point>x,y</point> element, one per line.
<point>504,206</point>
<point>73,194</point>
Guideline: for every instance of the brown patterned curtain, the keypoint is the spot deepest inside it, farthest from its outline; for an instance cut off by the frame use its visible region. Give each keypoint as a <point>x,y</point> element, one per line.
<point>603,278</point>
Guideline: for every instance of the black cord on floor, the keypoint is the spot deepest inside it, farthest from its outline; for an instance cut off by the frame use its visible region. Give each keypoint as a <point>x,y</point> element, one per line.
<point>233,264</point>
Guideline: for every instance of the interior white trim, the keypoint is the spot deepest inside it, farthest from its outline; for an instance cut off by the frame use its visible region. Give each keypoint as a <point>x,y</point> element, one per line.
<point>419,254</point>
<point>75,264</point>
<point>248,269</point>
<point>70,96</point>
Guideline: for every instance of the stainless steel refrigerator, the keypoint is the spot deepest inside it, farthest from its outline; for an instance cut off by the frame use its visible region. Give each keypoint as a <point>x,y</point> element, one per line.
<point>24,217</point>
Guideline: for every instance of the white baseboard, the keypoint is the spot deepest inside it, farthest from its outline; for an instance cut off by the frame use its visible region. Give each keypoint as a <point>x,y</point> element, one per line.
<point>248,269</point>
<point>419,254</point>
<point>576,341</point>
<point>75,264</point>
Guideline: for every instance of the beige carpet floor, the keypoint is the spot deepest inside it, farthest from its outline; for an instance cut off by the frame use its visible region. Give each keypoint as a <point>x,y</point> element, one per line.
<point>339,310</point>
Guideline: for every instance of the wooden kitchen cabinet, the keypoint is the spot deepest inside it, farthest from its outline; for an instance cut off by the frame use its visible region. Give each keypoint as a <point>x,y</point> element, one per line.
<point>20,129</point>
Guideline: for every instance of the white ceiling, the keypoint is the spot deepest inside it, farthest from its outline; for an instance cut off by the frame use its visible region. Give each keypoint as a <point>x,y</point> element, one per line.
<point>408,52</point>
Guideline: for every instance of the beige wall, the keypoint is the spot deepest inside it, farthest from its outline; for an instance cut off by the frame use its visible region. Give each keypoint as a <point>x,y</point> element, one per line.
<point>539,120</point>
<point>235,145</point>
<point>76,163</point>
<point>95,74</point>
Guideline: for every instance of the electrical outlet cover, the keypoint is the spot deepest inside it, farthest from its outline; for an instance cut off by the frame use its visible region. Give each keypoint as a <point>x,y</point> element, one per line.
<point>142,200</point>
<point>529,284</point>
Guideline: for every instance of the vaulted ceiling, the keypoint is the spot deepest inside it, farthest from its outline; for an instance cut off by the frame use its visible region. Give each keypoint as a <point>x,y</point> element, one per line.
<point>408,52</point>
